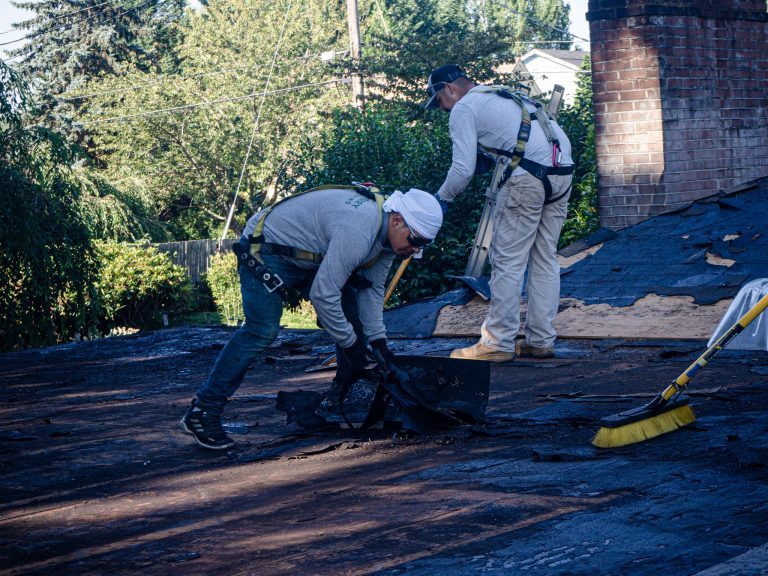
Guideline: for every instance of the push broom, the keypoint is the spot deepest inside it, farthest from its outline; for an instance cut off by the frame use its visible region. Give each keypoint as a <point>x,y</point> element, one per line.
<point>669,410</point>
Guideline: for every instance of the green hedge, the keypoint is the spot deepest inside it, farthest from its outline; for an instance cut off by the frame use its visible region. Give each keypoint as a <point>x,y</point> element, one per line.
<point>224,283</point>
<point>137,285</point>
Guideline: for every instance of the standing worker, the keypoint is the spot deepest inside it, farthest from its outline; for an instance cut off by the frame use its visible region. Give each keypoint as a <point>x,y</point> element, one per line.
<point>531,205</point>
<point>338,244</point>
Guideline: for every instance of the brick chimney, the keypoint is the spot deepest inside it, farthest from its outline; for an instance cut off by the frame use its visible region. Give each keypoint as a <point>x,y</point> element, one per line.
<point>680,100</point>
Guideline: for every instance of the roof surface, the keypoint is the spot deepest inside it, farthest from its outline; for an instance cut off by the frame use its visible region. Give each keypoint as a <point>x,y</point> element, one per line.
<point>97,477</point>
<point>708,250</point>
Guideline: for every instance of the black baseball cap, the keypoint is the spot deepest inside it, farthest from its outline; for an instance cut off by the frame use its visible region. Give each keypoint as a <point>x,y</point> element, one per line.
<point>438,79</point>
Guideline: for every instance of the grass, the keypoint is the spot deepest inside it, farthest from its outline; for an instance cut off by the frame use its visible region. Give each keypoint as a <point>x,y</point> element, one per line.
<point>301,317</point>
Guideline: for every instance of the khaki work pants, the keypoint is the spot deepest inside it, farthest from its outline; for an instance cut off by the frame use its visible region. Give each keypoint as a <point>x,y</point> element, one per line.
<point>525,234</point>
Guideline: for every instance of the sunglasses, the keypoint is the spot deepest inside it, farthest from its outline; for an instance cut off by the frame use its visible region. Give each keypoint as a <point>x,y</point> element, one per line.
<point>417,241</point>
<point>435,88</point>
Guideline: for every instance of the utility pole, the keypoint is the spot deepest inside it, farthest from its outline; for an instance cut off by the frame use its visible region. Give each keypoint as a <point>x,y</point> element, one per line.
<point>353,22</point>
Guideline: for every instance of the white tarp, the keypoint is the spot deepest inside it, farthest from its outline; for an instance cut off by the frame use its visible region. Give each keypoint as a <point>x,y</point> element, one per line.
<point>755,335</point>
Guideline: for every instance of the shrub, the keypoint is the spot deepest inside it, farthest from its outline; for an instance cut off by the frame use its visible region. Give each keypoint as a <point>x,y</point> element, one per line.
<point>137,285</point>
<point>224,283</point>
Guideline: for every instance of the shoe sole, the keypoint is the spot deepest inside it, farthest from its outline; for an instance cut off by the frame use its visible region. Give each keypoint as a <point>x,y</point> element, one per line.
<point>493,359</point>
<point>189,431</point>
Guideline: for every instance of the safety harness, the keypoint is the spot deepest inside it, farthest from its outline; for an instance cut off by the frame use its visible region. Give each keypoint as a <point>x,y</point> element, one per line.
<point>251,258</point>
<point>517,155</point>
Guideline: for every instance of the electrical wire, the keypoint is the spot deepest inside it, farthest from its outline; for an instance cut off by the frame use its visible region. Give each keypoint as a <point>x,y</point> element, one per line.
<point>540,23</point>
<point>64,15</point>
<point>70,24</point>
<point>256,124</point>
<point>209,102</point>
<point>173,77</point>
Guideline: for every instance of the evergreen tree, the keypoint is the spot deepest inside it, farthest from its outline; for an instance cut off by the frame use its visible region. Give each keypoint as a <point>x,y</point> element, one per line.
<point>70,42</point>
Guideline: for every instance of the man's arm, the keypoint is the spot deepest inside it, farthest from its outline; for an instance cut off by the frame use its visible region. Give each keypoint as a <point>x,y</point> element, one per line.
<point>340,261</point>
<point>371,300</point>
<point>464,138</point>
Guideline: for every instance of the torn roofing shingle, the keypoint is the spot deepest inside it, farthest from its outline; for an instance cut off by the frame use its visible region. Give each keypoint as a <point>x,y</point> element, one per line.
<point>668,254</point>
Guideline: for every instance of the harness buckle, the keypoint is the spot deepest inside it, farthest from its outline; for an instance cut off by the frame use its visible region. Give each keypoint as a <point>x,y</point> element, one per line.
<point>270,280</point>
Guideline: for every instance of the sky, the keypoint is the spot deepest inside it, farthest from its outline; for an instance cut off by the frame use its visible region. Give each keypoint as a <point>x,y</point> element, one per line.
<point>9,14</point>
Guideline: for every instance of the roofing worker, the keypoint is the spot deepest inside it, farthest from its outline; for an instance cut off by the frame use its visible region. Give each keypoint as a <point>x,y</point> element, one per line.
<point>531,204</point>
<point>334,242</point>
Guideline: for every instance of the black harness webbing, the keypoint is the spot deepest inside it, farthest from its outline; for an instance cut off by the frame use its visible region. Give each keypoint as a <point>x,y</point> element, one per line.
<point>517,156</point>
<point>247,261</point>
<point>538,171</point>
<point>250,257</point>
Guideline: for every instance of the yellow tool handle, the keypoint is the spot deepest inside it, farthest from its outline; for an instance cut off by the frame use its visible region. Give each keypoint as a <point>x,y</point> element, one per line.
<point>682,380</point>
<point>396,278</point>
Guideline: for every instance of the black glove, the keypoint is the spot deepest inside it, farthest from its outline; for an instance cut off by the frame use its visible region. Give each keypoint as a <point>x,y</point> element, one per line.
<point>350,363</point>
<point>387,359</point>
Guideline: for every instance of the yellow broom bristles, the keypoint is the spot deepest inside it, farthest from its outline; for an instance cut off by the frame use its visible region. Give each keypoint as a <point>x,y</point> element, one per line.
<point>644,429</point>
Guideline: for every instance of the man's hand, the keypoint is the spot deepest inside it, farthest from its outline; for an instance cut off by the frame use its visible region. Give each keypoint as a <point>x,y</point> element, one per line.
<point>385,356</point>
<point>350,363</point>
<point>443,206</point>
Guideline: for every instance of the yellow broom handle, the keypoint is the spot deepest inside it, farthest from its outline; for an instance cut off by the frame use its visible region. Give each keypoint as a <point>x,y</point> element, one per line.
<point>701,361</point>
<point>396,278</point>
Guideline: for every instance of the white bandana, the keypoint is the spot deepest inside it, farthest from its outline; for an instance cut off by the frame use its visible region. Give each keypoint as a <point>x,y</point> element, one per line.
<point>420,210</point>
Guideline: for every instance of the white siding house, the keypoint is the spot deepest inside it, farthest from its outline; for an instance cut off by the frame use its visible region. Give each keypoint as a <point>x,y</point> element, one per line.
<point>542,69</point>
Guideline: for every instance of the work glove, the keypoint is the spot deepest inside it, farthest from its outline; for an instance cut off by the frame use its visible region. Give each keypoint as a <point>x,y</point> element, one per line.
<point>443,206</point>
<point>350,363</point>
<point>387,360</point>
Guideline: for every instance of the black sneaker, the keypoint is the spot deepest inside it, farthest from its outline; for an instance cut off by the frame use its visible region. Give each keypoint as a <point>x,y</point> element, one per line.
<point>206,428</point>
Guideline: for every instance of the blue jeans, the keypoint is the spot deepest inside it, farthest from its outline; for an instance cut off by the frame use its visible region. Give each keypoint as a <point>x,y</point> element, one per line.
<point>262,311</point>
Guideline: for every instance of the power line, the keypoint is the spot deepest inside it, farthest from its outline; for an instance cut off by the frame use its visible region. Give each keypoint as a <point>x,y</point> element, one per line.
<point>217,101</point>
<point>256,123</point>
<point>540,23</point>
<point>64,15</point>
<point>70,24</point>
<point>172,77</point>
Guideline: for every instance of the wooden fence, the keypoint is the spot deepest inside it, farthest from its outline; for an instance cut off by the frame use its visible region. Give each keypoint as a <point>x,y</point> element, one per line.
<point>195,255</point>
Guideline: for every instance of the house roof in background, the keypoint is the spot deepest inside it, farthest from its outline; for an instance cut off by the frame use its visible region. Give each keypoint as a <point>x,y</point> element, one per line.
<point>570,58</point>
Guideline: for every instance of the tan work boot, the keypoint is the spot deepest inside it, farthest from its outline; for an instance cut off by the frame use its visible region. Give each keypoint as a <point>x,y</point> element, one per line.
<point>525,350</point>
<point>480,351</point>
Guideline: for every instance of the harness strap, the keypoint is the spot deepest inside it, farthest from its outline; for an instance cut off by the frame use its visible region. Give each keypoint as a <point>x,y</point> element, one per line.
<point>259,246</point>
<point>269,279</point>
<point>275,249</point>
<point>524,131</point>
<point>516,156</point>
<point>543,173</point>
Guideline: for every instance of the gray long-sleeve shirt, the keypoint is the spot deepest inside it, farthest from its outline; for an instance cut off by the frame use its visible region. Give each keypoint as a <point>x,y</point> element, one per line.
<point>350,230</point>
<point>488,119</point>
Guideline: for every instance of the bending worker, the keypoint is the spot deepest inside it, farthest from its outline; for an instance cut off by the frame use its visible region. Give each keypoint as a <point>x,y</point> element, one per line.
<point>337,244</point>
<point>531,203</point>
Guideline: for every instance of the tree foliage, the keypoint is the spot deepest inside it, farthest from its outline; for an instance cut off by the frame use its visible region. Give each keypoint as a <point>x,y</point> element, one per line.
<point>577,120</point>
<point>192,158</point>
<point>47,264</point>
<point>409,38</point>
<point>73,42</point>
